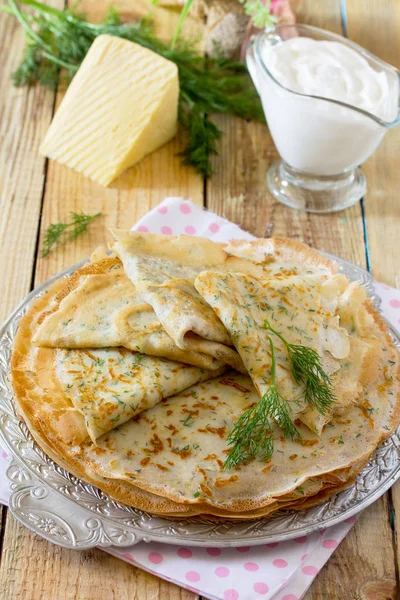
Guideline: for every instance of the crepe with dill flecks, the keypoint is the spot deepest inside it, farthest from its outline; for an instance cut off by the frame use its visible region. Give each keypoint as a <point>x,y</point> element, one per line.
<point>299,310</point>
<point>176,449</point>
<point>106,386</point>
<point>170,458</point>
<point>98,307</point>
<point>163,269</point>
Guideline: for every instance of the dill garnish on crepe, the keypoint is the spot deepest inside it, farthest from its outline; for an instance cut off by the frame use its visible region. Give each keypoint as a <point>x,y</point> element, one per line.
<point>318,393</point>
<point>61,39</point>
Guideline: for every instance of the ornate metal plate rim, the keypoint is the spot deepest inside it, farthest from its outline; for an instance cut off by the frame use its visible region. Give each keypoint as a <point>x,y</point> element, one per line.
<point>99,521</point>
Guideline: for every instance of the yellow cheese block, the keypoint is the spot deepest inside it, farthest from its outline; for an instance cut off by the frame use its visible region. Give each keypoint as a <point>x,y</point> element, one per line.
<point>121,105</point>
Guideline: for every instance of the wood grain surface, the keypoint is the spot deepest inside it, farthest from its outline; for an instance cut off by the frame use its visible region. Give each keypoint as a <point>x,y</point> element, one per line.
<point>35,192</point>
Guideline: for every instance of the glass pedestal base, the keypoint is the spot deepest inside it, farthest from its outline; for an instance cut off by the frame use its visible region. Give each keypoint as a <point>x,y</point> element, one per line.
<point>315,193</point>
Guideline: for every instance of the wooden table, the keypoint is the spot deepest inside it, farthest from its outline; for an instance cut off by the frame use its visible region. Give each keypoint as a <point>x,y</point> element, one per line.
<point>36,192</point>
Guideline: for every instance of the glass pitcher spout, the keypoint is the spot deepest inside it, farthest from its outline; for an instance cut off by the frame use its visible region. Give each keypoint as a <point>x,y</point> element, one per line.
<point>274,35</point>
<point>327,106</point>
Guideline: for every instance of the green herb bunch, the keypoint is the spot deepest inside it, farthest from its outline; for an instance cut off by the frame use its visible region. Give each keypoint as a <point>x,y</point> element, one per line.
<point>79,223</point>
<point>259,11</point>
<point>253,435</point>
<point>61,39</point>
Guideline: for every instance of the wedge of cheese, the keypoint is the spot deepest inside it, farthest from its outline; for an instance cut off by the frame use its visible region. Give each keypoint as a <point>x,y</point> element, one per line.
<point>121,105</point>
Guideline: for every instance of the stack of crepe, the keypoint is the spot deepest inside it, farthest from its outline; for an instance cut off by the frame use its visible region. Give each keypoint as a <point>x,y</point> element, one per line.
<point>132,372</point>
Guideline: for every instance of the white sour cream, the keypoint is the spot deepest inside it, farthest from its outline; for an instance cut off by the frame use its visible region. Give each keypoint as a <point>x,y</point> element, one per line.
<point>332,70</point>
<point>312,135</point>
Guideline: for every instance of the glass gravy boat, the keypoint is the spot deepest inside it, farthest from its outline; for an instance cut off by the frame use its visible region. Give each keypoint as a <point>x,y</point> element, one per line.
<point>321,141</point>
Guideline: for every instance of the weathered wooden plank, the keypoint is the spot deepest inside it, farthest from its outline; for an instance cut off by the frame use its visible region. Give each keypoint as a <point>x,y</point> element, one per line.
<point>31,567</point>
<point>375,26</point>
<point>135,193</point>
<point>362,567</point>
<point>25,115</point>
<point>238,191</point>
<point>382,208</point>
<point>376,574</point>
<point>238,188</point>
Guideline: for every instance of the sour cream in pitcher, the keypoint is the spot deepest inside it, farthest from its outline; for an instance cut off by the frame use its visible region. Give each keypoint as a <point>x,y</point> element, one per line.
<point>315,136</point>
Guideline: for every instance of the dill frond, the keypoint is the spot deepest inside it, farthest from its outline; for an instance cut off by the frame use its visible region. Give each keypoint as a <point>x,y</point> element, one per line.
<point>252,435</point>
<point>307,370</point>
<point>79,223</point>
<point>61,39</point>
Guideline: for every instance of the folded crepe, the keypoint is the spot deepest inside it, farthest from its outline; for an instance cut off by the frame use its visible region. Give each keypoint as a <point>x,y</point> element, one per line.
<point>98,307</point>
<point>163,269</point>
<point>169,459</point>
<point>104,387</point>
<point>305,309</point>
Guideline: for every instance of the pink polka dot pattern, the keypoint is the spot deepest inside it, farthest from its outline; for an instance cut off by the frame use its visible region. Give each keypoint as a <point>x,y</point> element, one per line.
<point>227,573</point>
<point>184,553</point>
<point>251,566</point>
<point>280,563</point>
<point>322,532</point>
<point>4,455</point>
<point>128,556</point>
<point>192,576</point>
<point>328,544</point>
<point>222,572</point>
<point>351,520</point>
<point>231,594</point>
<point>185,208</point>
<point>156,558</point>
<point>213,551</point>
<point>260,588</point>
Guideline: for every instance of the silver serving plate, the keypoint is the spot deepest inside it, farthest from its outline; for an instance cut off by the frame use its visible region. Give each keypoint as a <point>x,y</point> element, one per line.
<point>68,512</point>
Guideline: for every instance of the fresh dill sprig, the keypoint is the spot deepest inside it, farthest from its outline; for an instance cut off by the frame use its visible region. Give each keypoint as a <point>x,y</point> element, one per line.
<point>203,136</point>
<point>307,370</point>
<point>79,223</point>
<point>58,39</point>
<point>183,15</point>
<point>252,435</point>
<point>259,11</point>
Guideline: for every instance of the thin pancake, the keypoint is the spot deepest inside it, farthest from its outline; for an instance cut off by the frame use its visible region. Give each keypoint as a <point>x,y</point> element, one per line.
<point>98,307</point>
<point>106,387</point>
<point>163,269</point>
<point>43,417</point>
<point>195,480</point>
<point>302,308</point>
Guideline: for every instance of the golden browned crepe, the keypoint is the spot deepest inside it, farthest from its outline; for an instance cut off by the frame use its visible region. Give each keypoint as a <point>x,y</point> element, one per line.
<point>169,458</point>
<point>98,307</point>
<point>163,269</point>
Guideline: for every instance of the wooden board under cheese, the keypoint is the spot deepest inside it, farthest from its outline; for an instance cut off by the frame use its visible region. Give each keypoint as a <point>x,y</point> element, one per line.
<point>121,105</point>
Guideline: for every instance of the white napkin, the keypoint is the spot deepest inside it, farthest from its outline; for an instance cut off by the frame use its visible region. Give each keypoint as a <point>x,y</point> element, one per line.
<point>280,571</point>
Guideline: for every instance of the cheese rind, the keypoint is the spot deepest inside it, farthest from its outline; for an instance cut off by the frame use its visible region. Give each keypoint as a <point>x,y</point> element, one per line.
<point>121,105</point>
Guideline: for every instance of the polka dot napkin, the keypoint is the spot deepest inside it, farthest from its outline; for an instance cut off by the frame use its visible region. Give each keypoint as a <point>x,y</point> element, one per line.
<point>280,571</point>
